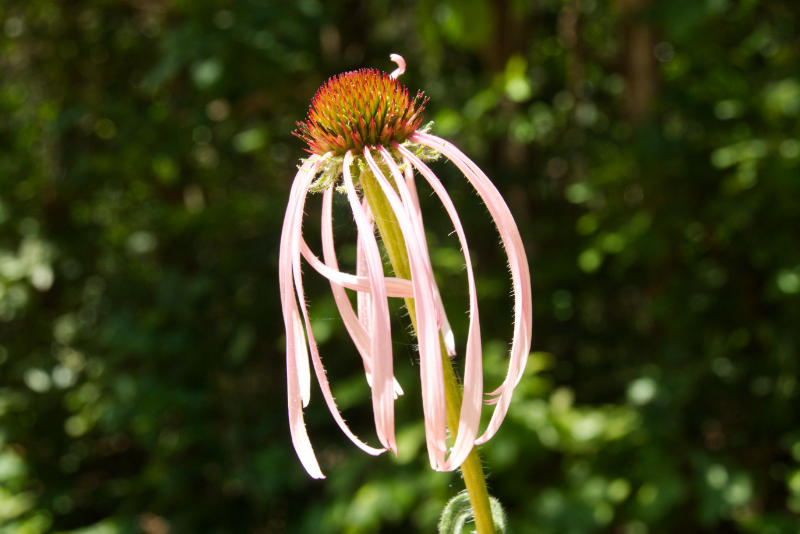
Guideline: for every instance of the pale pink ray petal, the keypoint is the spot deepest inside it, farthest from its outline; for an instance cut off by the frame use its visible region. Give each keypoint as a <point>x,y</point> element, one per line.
<point>292,221</point>
<point>321,375</point>
<point>444,323</point>
<point>470,415</point>
<point>301,362</point>
<point>316,360</point>
<point>518,265</point>
<point>358,334</point>
<point>408,173</point>
<point>295,342</point>
<point>363,298</point>
<point>395,287</point>
<point>508,231</point>
<point>431,372</point>
<point>291,248</point>
<point>381,348</point>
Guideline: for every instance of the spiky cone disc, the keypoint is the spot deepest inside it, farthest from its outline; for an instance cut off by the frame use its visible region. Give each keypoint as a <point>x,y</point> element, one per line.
<point>360,108</point>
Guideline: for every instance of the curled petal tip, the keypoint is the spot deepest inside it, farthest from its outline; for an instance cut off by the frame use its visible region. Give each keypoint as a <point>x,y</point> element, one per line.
<point>401,66</point>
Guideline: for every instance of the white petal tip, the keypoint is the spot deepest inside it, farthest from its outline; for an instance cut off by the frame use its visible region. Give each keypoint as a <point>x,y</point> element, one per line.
<point>450,343</point>
<point>310,464</point>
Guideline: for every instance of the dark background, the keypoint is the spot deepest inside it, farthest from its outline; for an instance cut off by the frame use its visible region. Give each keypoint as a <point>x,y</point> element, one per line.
<point>649,151</point>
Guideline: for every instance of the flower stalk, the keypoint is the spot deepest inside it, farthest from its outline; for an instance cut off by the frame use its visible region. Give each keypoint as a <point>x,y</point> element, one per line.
<point>392,237</point>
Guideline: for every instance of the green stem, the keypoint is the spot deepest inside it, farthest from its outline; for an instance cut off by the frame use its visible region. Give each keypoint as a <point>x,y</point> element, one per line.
<point>389,229</point>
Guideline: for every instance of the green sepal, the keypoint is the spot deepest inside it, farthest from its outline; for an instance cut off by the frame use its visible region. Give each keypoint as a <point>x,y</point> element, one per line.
<point>330,170</point>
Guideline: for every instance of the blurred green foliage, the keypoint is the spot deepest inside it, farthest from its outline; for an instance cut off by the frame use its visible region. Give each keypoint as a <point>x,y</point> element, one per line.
<point>649,149</point>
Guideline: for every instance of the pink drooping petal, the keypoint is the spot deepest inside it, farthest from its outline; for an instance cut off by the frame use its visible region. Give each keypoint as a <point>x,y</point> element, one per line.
<point>395,287</point>
<point>363,298</point>
<point>381,347</point>
<point>444,326</point>
<point>518,265</point>
<point>292,222</point>
<point>470,415</point>
<point>290,277</point>
<point>316,360</point>
<point>295,342</point>
<point>359,335</point>
<point>444,323</point>
<point>408,174</point>
<point>431,372</point>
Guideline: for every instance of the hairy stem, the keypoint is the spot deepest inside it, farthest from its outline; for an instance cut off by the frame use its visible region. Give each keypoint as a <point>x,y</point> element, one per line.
<point>392,237</point>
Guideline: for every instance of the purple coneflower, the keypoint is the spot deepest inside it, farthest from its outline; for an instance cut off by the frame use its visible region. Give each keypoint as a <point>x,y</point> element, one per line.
<point>363,132</point>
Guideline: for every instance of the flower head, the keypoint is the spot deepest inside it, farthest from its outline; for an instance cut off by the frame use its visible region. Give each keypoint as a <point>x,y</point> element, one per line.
<point>364,121</point>
<point>364,107</point>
